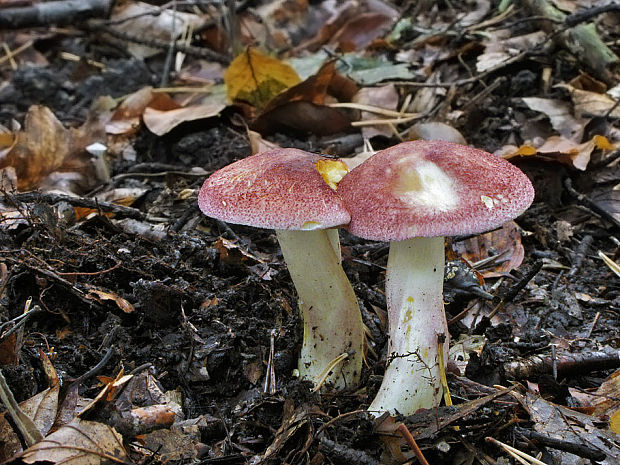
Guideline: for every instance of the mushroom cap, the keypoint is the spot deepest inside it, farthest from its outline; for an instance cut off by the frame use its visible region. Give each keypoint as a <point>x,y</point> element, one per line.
<point>432,188</point>
<point>277,189</point>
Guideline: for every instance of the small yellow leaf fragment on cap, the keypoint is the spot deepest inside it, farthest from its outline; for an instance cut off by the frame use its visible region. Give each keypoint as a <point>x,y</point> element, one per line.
<point>332,171</point>
<point>488,201</point>
<point>311,225</point>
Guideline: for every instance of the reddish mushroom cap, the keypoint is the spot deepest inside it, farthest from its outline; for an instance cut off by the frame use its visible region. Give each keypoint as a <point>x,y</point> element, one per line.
<point>432,188</point>
<point>277,189</point>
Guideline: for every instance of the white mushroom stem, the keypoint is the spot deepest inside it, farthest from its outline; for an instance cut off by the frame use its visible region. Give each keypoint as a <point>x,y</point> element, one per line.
<point>332,319</point>
<point>414,293</point>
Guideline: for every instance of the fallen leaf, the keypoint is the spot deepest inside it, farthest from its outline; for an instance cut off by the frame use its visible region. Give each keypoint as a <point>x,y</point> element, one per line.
<point>101,294</point>
<point>561,116</point>
<point>259,144</point>
<point>151,22</point>
<point>504,243</point>
<point>41,409</point>
<point>79,443</point>
<point>559,149</point>
<point>162,122</point>
<point>303,116</point>
<point>256,78</point>
<point>592,103</point>
<point>40,148</point>
<point>385,97</point>
<point>359,32</point>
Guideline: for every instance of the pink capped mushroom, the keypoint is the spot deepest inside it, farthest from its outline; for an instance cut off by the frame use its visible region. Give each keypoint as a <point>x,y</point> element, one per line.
<point>414,194</point>
<point>287,190</point>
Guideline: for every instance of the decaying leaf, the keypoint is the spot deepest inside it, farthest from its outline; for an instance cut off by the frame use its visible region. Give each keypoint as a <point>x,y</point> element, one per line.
<point>592,103</point>
<point>79,443</point>
<point>40,148</point>
<point>560,149</point>
<point>102,294</point>
<point>41,409</point>
<point>562,423</point>
<point>256,78</point>
<point>561,116</point>
<point>504,244</point>
<point>151,22</point>
<point>162,122</point>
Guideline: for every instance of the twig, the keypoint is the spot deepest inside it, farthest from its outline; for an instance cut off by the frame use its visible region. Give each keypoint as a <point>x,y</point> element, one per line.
<point>516,453</point>
<point>404,431</point>
<point>50,198</point>
<point>584,200</point>
<point>343,454</point>
<point>596,317</point>
<point>97,368</point>
<point>580,254</point>
<point>566,363</point>
<point>157,43</point>
<point>582,450</point>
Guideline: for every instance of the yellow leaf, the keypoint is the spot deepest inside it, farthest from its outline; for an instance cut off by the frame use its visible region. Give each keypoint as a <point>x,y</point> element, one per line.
<point>256,78</point>
<point>614,422</point>
<point>332,171</point>
<point>603,143</point>
<point>525,150</point>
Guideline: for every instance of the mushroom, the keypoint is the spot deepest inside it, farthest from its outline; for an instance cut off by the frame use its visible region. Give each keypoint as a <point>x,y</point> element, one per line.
<point>413,194</point>
<point>287,190</point>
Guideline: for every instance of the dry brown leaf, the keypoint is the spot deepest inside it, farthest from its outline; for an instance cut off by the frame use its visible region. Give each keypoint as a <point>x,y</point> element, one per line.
<point>607,397</point>
<point>559,149</point>
<point>101,294</point>
<point>40,149</point>
<point>592,103</point>
<point>359,32</point>
<point>303,116</point>
<point>162,122</point>
<point>505,242</point>
<point>256,78</point>
<point>79,443</point>
<point>41,408</point>
<point>561,116</point>
<point>259,144</point>
<point>151,22</point>
<point>383,97</point>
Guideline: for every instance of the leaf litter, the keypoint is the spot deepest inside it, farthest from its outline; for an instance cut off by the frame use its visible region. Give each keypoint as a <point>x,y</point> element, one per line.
<point>183,318</point>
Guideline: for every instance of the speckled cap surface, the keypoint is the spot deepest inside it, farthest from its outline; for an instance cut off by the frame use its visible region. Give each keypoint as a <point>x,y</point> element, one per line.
<point>277,189</point>
<point>432,188</point>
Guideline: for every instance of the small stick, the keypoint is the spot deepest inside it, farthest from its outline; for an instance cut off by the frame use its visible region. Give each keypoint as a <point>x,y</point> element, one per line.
<point>508,448</point>
<point>270,377</point>
<point>554,359</point>
<point>580,254</point>
<point>404,431</point>
<point>328,369</point>
<point>441,338</point>
<point>598,314</point>
<point>582,450</point>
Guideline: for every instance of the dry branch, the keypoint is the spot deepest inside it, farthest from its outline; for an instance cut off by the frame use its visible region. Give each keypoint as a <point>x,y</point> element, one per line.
<point>58,12</point>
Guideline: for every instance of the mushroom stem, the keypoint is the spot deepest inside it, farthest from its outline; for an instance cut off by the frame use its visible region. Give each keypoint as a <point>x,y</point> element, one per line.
<point>331,316</point>
<point>414,289</point>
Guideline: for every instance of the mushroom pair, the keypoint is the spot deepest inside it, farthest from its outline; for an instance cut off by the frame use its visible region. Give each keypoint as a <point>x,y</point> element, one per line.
<point>412,194</point>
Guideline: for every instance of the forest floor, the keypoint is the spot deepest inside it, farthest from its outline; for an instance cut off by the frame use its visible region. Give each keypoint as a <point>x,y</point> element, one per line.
<point>113,281</point>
